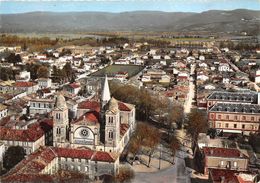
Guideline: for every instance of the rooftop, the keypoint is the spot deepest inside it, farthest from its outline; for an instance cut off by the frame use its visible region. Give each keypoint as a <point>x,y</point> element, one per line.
<point>236,108</point>
<point>246,97</point>
<point>223,152</point>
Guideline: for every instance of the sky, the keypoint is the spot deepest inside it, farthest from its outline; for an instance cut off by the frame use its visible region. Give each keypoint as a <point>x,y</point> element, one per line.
<point>22,6</point>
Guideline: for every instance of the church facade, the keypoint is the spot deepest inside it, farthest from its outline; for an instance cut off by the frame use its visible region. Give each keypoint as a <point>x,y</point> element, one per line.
<point>103,126</point>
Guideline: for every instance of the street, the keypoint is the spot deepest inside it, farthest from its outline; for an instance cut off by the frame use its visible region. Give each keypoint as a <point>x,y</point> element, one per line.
<point>190,96</point>
<point>175,174</point>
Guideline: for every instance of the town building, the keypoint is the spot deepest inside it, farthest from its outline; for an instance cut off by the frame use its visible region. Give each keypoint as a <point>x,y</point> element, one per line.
<point>3,111</point>
<point>224,158</point>
<point>44,83</point>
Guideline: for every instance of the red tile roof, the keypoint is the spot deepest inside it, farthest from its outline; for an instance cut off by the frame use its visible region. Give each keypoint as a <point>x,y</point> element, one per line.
<point>123,107</point>
<point>24,84</point>
<point>223,152</point>
<point>102,156</point>
<point>74,153</point>
<point>89,117</point>
<point>74,85</point>
<point>92,105</point>
<point>37,161</point>
<point>31,134</point>
<point>227,175</point>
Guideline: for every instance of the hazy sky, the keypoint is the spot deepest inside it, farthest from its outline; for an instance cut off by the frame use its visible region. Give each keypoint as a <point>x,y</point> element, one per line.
<point>12,6</point>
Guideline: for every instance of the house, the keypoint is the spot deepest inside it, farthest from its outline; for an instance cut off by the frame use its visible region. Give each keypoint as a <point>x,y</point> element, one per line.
<point>3,111</point>
<point>41,106</point>
<point>165,79</point>
<point>23,76</point>
<point>121,75</point>
<point>30,134</point>
<point>224,158</point>
<point>224,66</point>
<point>44,83</point>
<point>29,87</point>
<point>257,76</point>
<point>72,88</point>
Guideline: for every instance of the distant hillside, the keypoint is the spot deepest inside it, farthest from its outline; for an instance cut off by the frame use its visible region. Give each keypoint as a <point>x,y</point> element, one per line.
<point>219,21</point>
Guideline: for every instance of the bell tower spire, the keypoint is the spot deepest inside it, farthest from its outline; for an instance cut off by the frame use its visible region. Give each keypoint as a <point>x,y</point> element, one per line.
<point>105,95</point>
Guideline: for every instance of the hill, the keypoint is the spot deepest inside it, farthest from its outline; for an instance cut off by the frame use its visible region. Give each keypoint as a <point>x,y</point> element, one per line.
<point>214,20</point>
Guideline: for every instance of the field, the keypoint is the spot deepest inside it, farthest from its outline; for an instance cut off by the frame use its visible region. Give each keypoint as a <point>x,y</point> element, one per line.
<point>113,69</point>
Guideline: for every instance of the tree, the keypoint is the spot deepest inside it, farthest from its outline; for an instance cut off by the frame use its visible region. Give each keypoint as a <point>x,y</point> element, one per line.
<point>125,174</point>
<point>174,145</point>
<point>42,72</point>
<point>153,137</point>
<point>196,123</point>
<point>145,136</point>
<point>176,115</point>
<point>14,58</point>
<point>12,156</point>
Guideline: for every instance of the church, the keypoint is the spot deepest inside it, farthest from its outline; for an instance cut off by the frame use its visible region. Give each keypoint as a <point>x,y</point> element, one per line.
<point>104,125</point>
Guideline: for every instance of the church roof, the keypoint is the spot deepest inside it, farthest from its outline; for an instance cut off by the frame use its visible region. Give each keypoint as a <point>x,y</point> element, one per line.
<point>125,107</point>
<point>88,118</point>
<point>105,96</point>
<point>92,105</point>
<point>60,102</point>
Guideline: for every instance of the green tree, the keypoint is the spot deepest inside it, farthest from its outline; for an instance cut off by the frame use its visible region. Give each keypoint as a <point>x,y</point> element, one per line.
<point>42,72</point>
<point>12,156</point>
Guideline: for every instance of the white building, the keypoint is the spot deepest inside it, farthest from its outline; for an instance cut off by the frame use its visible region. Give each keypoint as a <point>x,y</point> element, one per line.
<point>44,83</point>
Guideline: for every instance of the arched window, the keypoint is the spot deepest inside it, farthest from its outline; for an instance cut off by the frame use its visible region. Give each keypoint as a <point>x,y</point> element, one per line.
<point>58,130</point>
<point>110,134</point>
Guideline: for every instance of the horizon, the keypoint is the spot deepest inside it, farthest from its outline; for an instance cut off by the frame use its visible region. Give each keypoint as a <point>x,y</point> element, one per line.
<point>123,6</point>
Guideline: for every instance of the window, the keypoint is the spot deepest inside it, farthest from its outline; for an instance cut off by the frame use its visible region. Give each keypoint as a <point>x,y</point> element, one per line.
<point>219,116</point>
<point>243,126</point>
<point>243,118</point>
<point>227,117</point>
<point>110,119</point>
<point>235,125</point>
<point>226,125</point>
<point>235,164</point>
<point>212,116</point>
<point>39,105</point>
<point>57,115</point>
<point>219,125</point>
<point>110,134</point>
<point>222,163</point>
<point>235,117</point>
<point>252,118</point>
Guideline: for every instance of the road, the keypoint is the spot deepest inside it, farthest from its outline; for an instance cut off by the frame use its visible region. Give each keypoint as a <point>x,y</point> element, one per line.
<point>190,96</point>
<point>175,174</point>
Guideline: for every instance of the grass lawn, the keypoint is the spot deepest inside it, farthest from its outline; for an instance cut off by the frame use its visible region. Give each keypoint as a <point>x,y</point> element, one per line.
<point>113,69</point>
